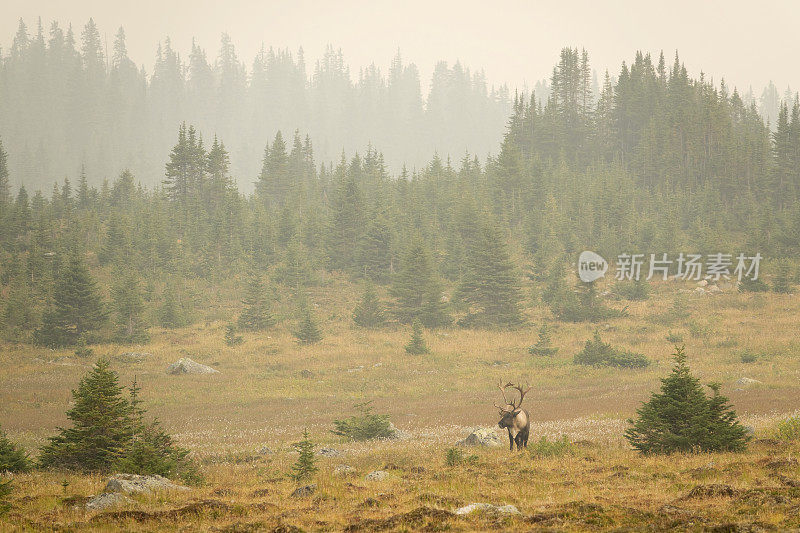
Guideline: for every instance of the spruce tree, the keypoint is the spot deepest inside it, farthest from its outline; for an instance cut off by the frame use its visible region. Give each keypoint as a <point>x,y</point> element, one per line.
<point>308,331</point>
<point>543,346</point>
<point>256,314</point>
<point>490,286</point>
<point>305,467</point>
<point>171,314</point>
<point>417,346</point>
<point>12,458</point>
<point>782,282</point>
<point>369,313</point>
<point>232,338</point>
<point>76,309</point>
<point>6,488</point>
<point>417,290</point>
<point>150,450</point>
<point>681,418</point>
<point>101,426</point>
<point>128,304</point>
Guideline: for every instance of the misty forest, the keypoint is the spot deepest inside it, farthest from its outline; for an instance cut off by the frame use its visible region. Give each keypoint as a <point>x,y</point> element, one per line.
<point>336,269</point>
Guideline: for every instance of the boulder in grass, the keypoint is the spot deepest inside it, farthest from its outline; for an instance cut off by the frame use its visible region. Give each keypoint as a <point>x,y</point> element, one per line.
<point>486,437</point>
<point>487,508</point>
<point>184,365</point>
<point>133,484</point>
<point>106,500</point>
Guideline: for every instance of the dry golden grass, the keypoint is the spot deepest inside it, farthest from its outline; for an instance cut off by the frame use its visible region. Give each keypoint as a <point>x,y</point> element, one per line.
<point>262,398</point>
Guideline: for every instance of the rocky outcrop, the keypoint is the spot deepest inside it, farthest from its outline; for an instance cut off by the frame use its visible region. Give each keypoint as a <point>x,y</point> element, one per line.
<point>487,508</point>
<point>184,365</point>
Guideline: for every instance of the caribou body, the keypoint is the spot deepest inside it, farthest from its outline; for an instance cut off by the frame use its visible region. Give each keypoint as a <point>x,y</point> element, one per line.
<point>516,420</point>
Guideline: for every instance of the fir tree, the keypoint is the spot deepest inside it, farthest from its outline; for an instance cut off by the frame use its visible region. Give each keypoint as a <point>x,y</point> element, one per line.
<point>257,312</point>
<point>369,313</point>
<point>128,304</point>
<point>681,418</point>
<point>100,429</point>
<point>77,309</point>
<point>12,458</point>
<point>150,450</point>
<point>543,346</point>
<point>6,488</point>
<point>417,346</point>
<point>231,337</point>
<point>417,290</point>
<point>171,314</point>
<point>305,467</point>
<point>490,286</point>
<point>782,282</point>
<point>308,331</point>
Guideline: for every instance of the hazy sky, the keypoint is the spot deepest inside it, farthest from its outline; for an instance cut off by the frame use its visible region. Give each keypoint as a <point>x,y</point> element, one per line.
<point>516,42</point>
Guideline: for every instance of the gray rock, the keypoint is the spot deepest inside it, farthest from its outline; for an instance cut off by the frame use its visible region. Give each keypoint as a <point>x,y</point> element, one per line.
<point>714,289</point>
<point>265,450</point>
<point>699,290</point>
<point>135,356</point>
<point>184,365</point>
<point>329,452</point>
<point>343,470</point>
<point>306,373</point>
<point>487,508</point>
<point>377,475</point>
<point>750,430</point>
<point>747,381</point>
<point>397,433</point>
<point>486,437</point>
<point>133,483</point>
<point>106,500</point>
<point>305,490</point>
<point>702,283</point>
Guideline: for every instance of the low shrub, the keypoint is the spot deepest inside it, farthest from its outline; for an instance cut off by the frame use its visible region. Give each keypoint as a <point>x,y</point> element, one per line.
<point>788,429</point>
<point>635,291</point>
<point>552,448</point>
<point>599,353</point>
<point>364,426</point>
<point>674,338</point>
<point>456,456</point>
<point>746,356</point>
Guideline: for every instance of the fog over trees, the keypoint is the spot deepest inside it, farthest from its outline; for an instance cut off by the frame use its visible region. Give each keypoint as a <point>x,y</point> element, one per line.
<point>68,100</point>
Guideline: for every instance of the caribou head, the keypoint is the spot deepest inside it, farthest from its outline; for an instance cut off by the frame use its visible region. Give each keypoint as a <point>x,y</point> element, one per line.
<point>515,419</point>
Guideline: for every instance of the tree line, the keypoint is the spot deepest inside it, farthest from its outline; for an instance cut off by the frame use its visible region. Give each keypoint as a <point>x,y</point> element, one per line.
<point>67,101</point>
<point>659,162</point>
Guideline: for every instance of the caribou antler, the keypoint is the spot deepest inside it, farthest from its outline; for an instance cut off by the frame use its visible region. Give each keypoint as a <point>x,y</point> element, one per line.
<point>514,405</point>
<point>503,390</point>
<point>522,394</point>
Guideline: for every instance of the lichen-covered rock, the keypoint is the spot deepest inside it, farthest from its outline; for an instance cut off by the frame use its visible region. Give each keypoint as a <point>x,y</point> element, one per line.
<point>487,508</point>
<point>343,470</point>
<point>481,437</point>
<point>329,452</point>
<point>133,483</point>
<point>305,490</point>
<point>377,475</point>
<point>184,365</point>
<point>106,500</point>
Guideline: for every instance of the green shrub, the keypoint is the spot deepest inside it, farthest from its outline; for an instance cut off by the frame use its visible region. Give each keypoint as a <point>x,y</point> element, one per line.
<point>364,426</point>
<point>456,456</point>
<point>552,448</point>
<point>788,429</point>
<point>12,457</point>
<point>674,338</point>
<point>746,356</point>
<point>598,353</point>
<point>753,285</point>
<point>308,331</point>
<point>698,330</point>
<point>681,418</point>
<point>636,291</point>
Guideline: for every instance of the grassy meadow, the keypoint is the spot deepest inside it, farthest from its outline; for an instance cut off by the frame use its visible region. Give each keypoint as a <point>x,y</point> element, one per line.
<point>240,423</point>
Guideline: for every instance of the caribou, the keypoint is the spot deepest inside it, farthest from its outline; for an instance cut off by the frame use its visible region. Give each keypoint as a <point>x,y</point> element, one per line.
<point>516,420</point>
